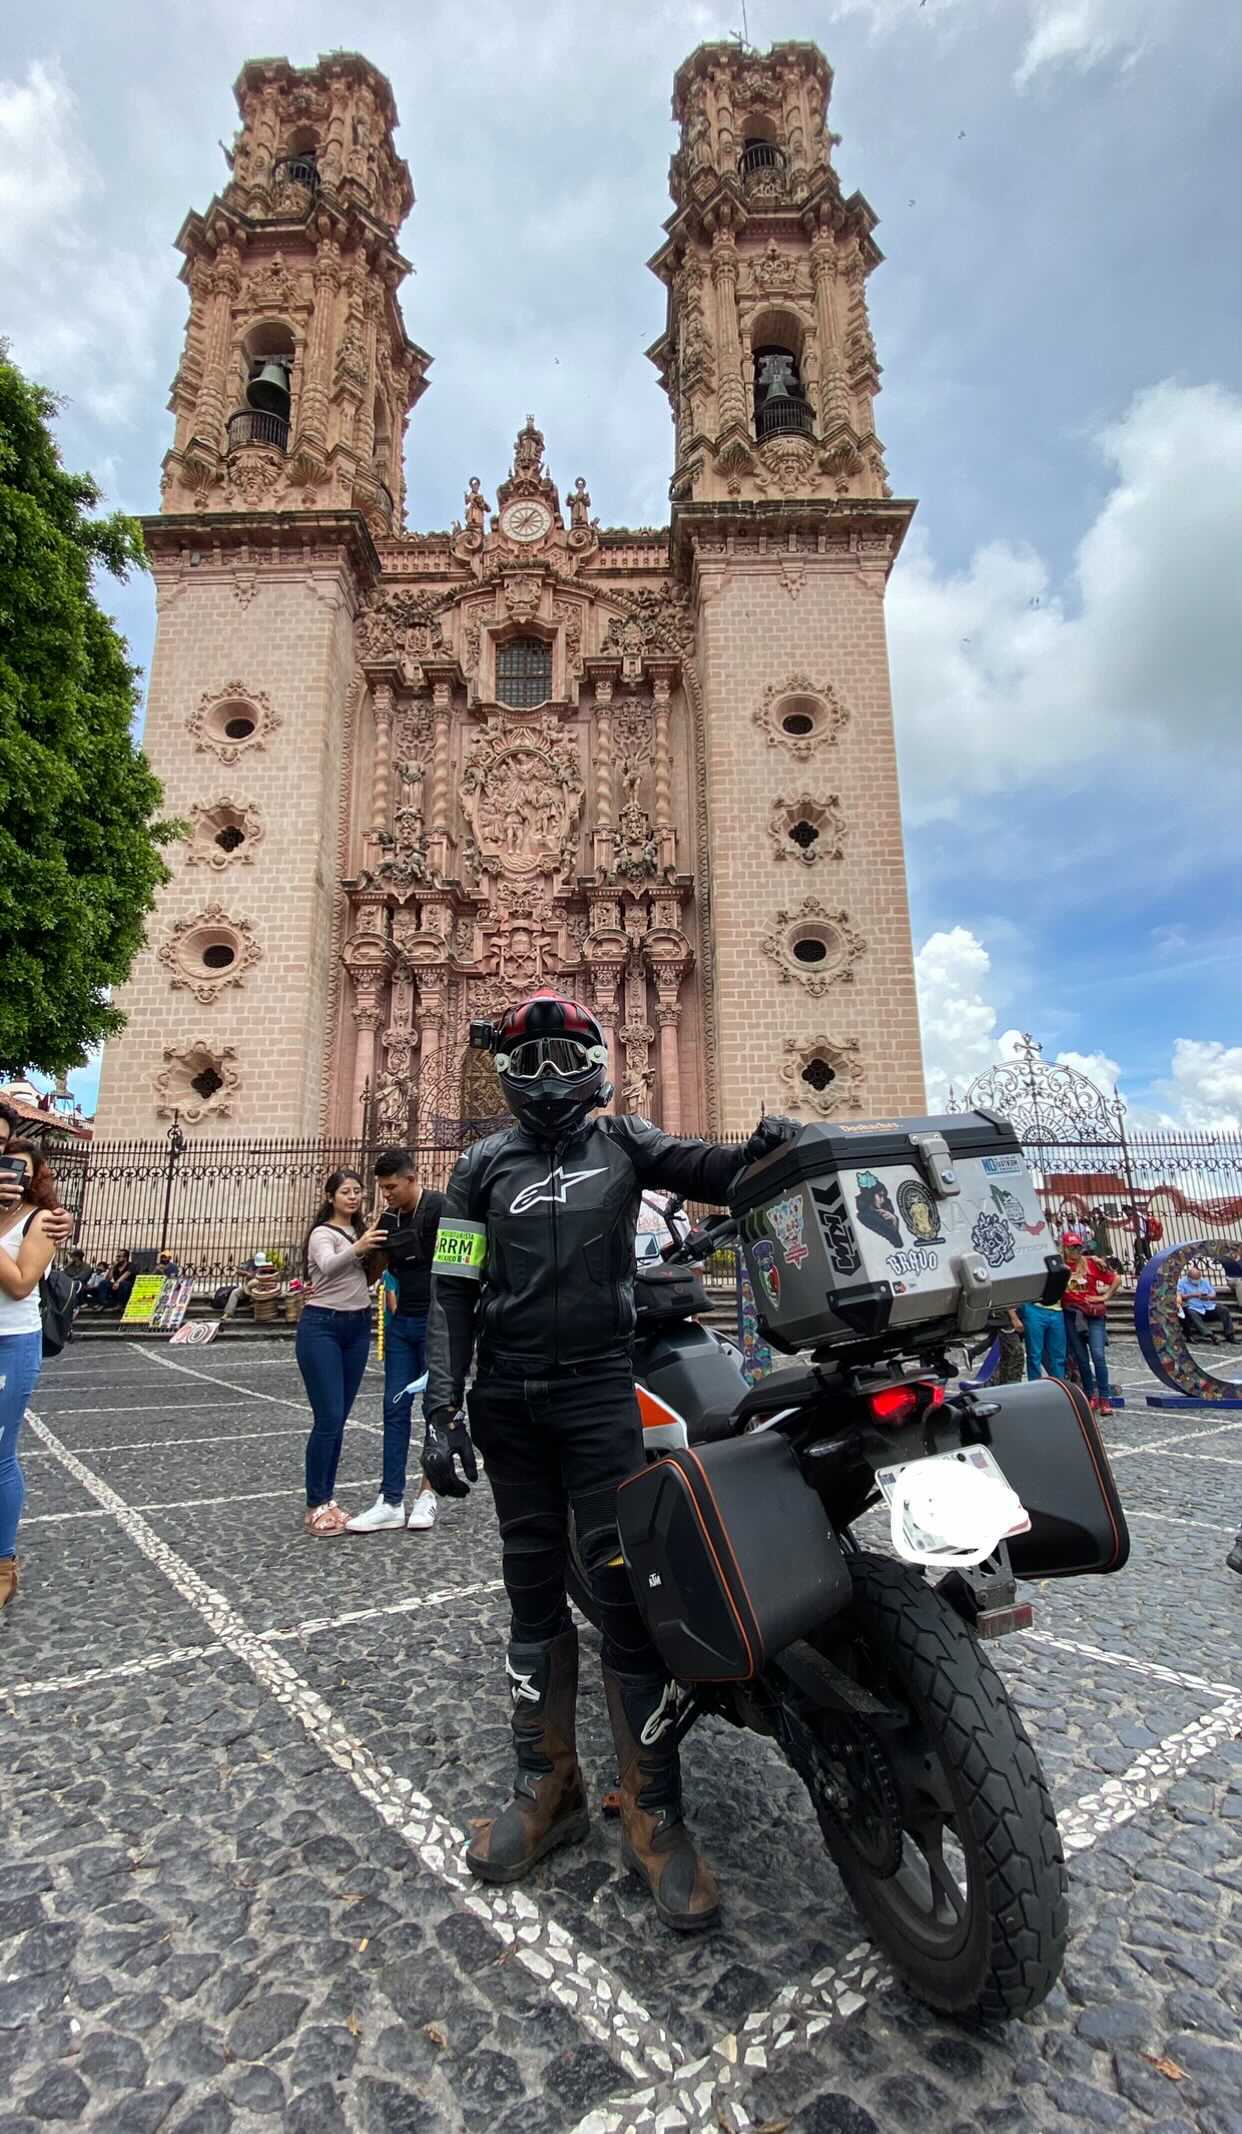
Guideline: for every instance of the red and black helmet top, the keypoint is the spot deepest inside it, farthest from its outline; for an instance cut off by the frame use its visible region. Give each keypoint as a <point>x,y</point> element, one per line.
<point>546,1014</point>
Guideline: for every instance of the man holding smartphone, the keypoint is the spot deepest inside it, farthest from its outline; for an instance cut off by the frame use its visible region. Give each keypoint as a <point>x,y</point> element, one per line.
<point>409,1223</point>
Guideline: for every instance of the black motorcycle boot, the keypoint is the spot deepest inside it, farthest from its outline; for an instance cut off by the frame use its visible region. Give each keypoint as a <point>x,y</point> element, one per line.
<point>549,1805</point>
<point>655,1842</point>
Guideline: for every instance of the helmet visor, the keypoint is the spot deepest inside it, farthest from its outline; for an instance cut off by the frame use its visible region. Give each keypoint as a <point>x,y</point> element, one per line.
<point>536,1056</point>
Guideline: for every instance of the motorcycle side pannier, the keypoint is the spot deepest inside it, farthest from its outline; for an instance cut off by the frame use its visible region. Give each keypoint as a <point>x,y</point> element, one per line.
<point>1048,1445</point>
<point>730,1555</point>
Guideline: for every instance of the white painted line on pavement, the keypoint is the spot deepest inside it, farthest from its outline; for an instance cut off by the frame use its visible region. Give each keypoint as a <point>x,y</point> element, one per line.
<point>1120,1799</point>
<point>315,1626</point>
<point>1153,1668</point>
<point>213,1378</point>
<point>156,1407</point>
<point>182,1504</point>
<point>606,2009</point>
<point>162,1444</point>
<point>1205,1526</point>
<point>1214,1459</point>
<point>1171,1444</point>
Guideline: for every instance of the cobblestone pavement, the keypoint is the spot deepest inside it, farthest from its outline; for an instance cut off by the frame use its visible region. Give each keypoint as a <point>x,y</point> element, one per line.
<point>239,1764</point>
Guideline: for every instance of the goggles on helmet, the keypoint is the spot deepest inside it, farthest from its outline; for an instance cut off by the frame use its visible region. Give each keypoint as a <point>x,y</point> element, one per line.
<point>536,1056</point>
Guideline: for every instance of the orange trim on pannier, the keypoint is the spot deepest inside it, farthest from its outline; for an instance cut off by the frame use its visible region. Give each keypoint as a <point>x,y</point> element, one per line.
<point>711,1550</point>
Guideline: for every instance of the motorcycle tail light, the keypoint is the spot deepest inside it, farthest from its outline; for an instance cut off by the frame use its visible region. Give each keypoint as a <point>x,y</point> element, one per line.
<point>896,1404</point>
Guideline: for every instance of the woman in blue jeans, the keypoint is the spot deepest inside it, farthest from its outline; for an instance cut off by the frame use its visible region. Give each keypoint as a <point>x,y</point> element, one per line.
<point>26,1251</point>
<point>334,1336</point>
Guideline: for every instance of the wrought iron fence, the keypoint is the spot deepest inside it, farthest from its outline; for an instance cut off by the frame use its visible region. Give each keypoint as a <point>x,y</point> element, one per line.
<point>211,1204</point>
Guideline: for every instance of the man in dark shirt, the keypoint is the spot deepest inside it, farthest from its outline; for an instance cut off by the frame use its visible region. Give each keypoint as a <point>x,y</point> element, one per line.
<point>409,1225</point>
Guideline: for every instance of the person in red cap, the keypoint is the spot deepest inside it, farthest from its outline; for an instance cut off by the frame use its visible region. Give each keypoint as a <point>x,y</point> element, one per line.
<point>1085,1305</point>
<point>534,1264</point>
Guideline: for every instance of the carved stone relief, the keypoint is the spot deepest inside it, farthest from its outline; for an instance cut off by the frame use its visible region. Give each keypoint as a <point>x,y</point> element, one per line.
<point>814,947</point>
<point>822,1075</point>
<point>522,793</point>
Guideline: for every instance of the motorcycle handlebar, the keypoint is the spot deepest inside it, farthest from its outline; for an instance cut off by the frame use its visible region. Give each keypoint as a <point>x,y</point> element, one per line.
<point>700,1242</point>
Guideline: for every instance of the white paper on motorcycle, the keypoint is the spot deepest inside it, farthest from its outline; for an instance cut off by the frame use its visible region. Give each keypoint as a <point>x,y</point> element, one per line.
<point>952,1509</point>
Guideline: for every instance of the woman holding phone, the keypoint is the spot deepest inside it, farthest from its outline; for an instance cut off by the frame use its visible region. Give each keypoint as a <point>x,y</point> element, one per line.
<point>26,1252</point>
<point>334,1336</point>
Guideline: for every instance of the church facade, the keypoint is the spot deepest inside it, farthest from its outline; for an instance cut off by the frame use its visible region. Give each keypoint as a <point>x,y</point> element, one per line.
<point>426,773</point>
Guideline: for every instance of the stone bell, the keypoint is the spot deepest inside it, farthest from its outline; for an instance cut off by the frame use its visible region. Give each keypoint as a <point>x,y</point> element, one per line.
<point>269,389</point>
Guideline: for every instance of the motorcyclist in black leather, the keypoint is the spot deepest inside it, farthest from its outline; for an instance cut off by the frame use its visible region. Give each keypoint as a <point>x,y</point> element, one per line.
<point>534,1265</point>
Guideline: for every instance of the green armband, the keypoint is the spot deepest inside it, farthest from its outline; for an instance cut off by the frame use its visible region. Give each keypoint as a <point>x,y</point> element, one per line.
<point>461,1248</point>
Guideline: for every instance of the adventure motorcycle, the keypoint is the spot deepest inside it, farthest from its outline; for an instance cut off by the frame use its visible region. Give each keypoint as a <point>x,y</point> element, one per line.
<point>868,1673</point>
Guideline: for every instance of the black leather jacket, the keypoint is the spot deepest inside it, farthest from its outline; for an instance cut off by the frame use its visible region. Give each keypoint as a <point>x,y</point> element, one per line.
<point>556,1286</point>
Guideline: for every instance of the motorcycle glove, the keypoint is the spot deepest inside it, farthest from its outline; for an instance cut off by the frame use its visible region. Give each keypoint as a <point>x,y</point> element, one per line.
<point>445,1441</point>
<point>771,1132</point>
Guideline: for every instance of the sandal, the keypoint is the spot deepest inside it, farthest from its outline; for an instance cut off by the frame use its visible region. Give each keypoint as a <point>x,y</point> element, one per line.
<point>325,1520</point>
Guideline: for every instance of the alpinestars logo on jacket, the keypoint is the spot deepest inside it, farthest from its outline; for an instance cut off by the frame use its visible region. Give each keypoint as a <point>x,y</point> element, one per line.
<point>559,1180</point>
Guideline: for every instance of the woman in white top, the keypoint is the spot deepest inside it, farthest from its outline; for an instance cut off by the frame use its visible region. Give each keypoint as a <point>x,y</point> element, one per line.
<point>26,1252</point>
<point>334,1335</point>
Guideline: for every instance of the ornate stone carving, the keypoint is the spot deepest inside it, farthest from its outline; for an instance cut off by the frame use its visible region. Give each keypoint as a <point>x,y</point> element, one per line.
<point>790,463</point>
<point>252,477</point>
<point>197,1081</point>
<point>822,1075</point>
<point>800,715</point>
<point>637,853</point>
<point>223,831</point>
<point>208,951</point>
<point>807,829</point>
<point>814,947</point>
<point>654,623</point>
<point>522,596</point>
<point>633,731</point>
<point>569,613</point>
<point>522,792</point>
<point>775,270</point>
<point>793,573</point>
<point>401,625</point>
<point>226,722</point>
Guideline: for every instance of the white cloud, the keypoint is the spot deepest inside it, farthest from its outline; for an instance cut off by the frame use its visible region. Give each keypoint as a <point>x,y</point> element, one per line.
<point>41,176</point>
<point>1096,1066</point>
<point>999,678</point>
<point>1086,32</point>
<point>78,311</point>
<point>958,1023</point>
<point>1204,1088</point>
<point>1081,33</point>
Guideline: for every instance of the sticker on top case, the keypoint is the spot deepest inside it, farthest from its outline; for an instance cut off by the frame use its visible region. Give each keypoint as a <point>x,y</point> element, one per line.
<point>786,1219</point>
<point>920,1212</point>
<point>998,1166</point>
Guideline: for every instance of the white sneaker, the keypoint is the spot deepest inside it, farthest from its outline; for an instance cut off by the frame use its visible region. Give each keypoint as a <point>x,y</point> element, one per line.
<point>379,1515</point>
<point>423,1515</point>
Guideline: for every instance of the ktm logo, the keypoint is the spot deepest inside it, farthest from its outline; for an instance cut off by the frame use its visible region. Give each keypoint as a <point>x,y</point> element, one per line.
<point>554,1187</point>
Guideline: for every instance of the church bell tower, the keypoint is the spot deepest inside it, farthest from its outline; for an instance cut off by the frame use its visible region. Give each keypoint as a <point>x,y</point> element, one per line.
<point>785,531</point>
<point>283,483</point>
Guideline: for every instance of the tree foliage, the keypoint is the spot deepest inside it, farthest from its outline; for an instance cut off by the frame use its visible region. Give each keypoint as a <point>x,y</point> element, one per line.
<point>79,843</point>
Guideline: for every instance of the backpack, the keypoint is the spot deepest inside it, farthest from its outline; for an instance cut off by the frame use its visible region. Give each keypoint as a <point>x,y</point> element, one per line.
<point>58,1301</point>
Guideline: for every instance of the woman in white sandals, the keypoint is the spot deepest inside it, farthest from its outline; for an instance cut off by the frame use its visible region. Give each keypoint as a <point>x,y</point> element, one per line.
<point>333,1338</point>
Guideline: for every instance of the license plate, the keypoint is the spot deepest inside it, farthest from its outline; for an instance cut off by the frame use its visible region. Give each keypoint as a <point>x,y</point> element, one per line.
<point>976,1456</point>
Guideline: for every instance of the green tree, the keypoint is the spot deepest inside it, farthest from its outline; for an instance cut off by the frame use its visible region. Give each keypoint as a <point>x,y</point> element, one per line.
<point>79,843</point>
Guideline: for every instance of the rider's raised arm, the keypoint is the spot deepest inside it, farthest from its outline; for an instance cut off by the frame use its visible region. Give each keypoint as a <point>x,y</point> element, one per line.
<point>700,1170</point>
<point>456,1277</point>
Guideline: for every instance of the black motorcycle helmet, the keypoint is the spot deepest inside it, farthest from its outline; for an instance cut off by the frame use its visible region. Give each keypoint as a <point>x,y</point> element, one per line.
<point>552,1062</point>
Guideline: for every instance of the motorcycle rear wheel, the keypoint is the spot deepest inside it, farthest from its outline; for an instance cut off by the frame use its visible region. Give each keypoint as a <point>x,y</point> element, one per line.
<point>976,1916</point>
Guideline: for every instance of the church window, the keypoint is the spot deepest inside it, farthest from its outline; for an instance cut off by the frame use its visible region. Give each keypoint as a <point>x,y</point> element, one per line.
<point>817,1074</point>
<point>810,948</point>
<point>759,155</point>
<point>218,955</point>
<point>524,673</point>
<point>239,727</point>
<point>231,837</point>
<point>206,1083</point>
<point>803,834</point>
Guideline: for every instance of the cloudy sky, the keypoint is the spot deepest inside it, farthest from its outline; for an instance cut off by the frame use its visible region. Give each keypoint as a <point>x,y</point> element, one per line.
<point>1059,186</point>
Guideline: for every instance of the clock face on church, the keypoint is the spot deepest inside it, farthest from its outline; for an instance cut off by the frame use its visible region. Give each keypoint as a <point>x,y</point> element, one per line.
<point>525,521</point>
